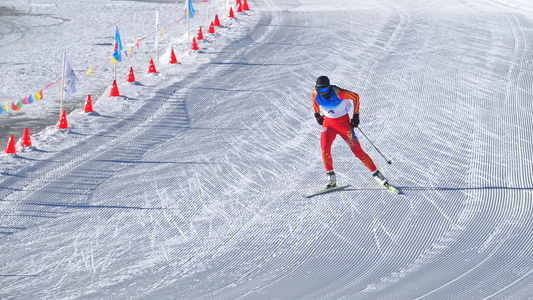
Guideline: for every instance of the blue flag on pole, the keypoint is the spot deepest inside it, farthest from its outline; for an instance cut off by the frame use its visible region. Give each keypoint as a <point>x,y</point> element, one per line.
<point>189,10</point>
<point>117,46</point>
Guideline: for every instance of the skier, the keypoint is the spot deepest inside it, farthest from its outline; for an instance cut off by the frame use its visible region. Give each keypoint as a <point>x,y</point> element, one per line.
<point>335,105</point>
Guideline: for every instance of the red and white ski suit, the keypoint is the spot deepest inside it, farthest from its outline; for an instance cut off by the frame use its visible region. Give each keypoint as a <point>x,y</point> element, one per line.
<point>337,121</point>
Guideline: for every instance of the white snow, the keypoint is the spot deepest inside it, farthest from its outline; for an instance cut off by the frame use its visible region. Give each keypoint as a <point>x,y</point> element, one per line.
<point>189,185</point>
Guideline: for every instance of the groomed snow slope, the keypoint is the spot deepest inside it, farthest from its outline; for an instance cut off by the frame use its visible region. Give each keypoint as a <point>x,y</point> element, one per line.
<point>193,189</point>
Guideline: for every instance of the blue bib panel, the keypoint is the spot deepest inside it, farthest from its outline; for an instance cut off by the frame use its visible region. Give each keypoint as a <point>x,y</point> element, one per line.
<point>332,102</point>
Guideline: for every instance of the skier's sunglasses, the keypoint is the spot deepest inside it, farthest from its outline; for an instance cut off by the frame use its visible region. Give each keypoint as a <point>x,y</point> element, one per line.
<point>323,90</point>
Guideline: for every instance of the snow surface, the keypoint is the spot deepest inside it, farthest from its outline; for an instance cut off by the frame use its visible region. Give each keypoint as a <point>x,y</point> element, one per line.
<point>189,185</point>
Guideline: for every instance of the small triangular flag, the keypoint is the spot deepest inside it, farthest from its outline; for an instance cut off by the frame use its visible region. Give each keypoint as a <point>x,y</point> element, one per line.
<point>5,108</point>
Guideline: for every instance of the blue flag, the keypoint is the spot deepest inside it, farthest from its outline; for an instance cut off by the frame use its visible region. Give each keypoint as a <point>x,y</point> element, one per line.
<point>117,46</point>
<point>189,10</point>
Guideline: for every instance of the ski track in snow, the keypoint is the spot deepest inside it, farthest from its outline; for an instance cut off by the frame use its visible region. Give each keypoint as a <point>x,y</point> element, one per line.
<point>194,189</point>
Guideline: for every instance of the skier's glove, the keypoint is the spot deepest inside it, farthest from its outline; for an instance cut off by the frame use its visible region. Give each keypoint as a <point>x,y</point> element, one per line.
<point>355,121</point>
<point>319,118</point>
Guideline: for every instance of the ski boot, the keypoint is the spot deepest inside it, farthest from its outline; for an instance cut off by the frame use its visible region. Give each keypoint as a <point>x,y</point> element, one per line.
<point>332,180</point>
<point>379,177</point>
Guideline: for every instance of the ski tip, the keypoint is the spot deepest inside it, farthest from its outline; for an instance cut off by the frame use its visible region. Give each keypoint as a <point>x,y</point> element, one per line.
<point>393,189</point>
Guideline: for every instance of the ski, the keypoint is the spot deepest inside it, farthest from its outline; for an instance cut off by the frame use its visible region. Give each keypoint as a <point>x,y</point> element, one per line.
<point>323,191</point>
<point>391,188</point>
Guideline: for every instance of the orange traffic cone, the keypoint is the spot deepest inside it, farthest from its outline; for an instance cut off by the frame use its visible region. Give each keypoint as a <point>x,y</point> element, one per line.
<point>217,21</point>
<point>151,67</point>
<point>10,147</point>
<point>114,90</point>
<point>245,5</point>
<point>230,14</point>
<point>211,28</point>
<point>62,123</point>
<point>194,45</point>
<point>173,59</point>
<point>237,2</point>
<point>200,35</point>
<point>88,107</point>
<point>25,141</point>
<point>131,76</point>
<point>239,8</point>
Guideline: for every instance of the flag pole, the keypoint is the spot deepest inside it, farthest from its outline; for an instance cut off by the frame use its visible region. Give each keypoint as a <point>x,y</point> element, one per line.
<point>62,85</point>
<point>189,13</point>
<point>208,10</point>
<point>157,37</point>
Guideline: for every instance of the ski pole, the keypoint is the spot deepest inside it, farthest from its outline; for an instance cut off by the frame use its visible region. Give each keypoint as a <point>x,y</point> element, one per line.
<point>388,160</point>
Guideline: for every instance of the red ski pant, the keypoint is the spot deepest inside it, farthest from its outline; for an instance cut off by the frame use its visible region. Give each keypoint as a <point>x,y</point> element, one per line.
<point>341,126</point>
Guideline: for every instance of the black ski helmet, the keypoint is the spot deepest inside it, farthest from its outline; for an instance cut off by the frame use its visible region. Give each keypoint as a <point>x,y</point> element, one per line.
<point>322,81</point>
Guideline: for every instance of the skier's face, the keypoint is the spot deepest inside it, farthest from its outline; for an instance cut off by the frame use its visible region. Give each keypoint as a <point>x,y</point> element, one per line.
<point>324,92</point>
